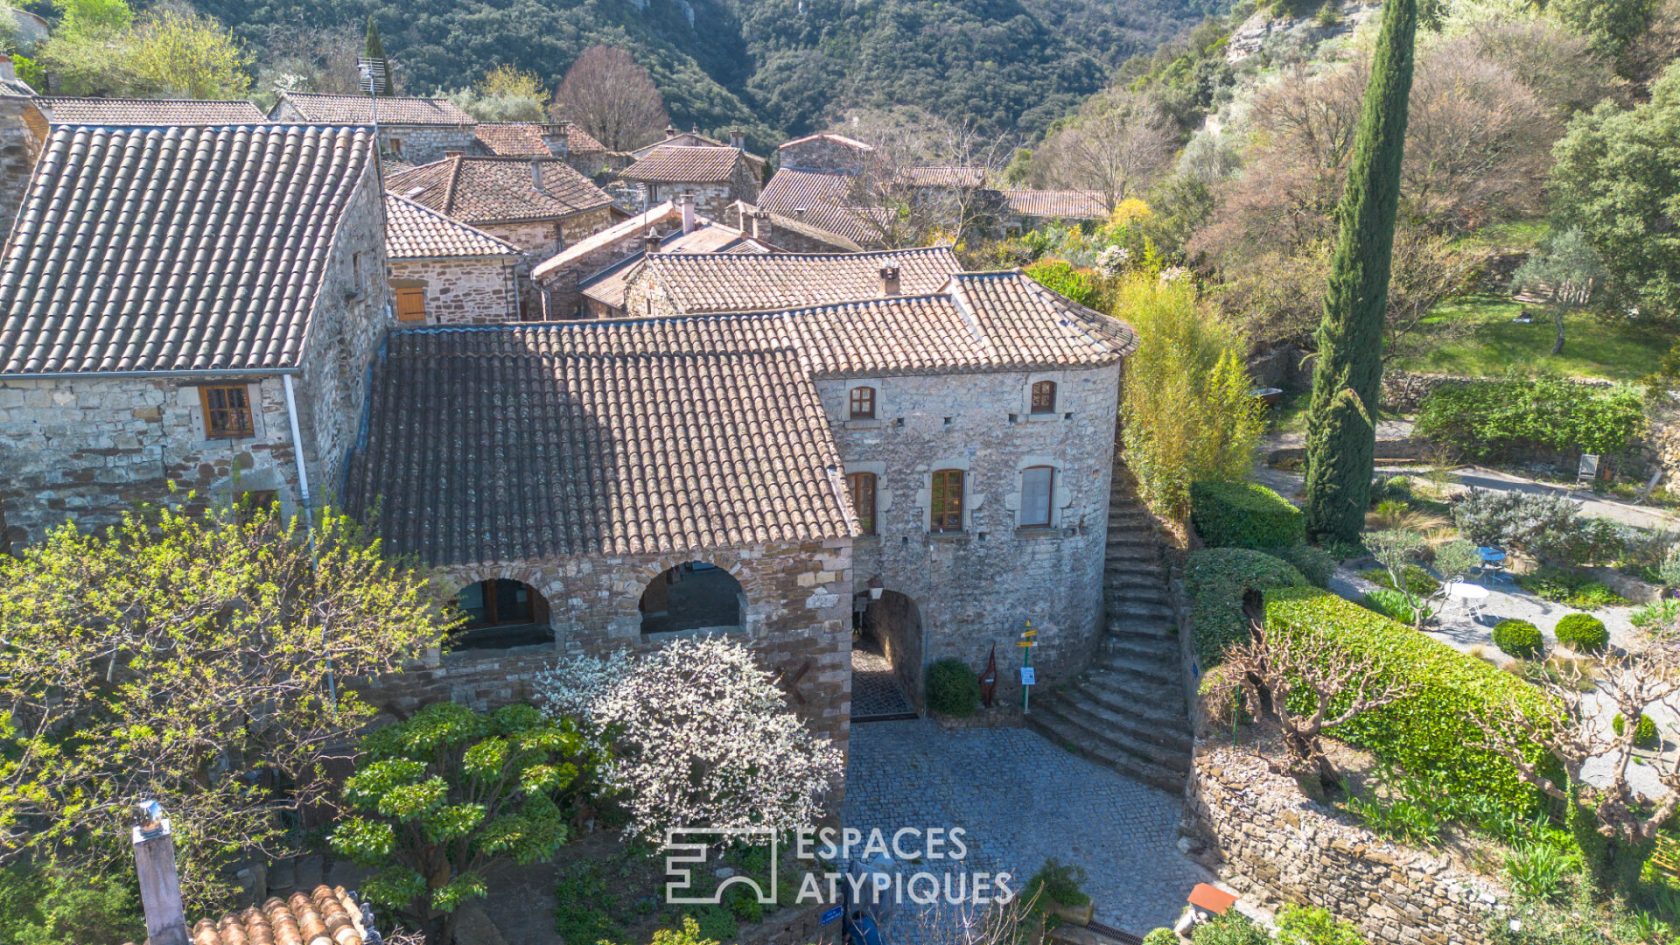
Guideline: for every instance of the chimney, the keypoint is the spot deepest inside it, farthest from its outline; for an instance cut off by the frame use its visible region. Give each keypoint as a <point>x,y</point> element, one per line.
<point>889,281</point>
<point>737,139</point>
<point>761,224</point>
<point>685,203</point>
<point>7,71</point>
<point>160,885</point>
<point>650,243</point>
<point>452,152</point>
<point>670,131</point>
<point>536,176</point>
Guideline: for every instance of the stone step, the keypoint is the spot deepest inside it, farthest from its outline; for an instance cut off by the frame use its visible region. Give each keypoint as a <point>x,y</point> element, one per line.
<point>1150,703</point>
<point>1075,738</point>
<point>1162,649</point>
<point>1145,609</point>
<point>1154,625</point>
<point>1130,584</point>
<point>1150,670</point>
<point>1165,733</point>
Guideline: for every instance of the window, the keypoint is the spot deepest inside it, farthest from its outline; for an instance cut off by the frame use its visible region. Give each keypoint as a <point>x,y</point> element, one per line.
<point>411,304</point>
<point>501,613</point>
<point>1038,486</point>
<point>1044,397</point>
<point>947,506</point>
<point>861,402</point>
<point>356,271</point>
<point>227,411</point>
<point>862,486</point>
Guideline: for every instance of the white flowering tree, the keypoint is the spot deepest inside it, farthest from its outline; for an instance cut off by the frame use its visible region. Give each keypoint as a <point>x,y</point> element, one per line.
<point>700,736</point>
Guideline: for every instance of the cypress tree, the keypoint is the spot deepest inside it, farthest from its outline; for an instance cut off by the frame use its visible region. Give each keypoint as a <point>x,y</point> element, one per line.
<point>372,48</point>
<point>1341,427</point>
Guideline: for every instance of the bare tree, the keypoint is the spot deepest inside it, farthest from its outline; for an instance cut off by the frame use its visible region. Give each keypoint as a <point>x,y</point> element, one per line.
<point>611,97</point>
<point>969,923</point>
<point>927,179</point>
<point>1116,148</point>
<point>1276,673</point>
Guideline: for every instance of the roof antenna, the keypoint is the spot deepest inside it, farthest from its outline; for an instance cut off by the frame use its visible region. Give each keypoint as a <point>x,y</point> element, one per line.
<point>375,82</point>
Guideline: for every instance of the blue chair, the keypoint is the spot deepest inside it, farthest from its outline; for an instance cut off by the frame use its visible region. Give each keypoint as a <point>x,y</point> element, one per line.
<point>1493,563</point>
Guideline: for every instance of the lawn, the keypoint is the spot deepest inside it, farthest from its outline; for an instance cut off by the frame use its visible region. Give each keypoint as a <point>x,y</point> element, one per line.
<point>1615,349</point>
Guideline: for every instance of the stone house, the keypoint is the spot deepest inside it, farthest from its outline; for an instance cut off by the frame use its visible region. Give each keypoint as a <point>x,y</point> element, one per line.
<point>786,233</point>
<point>411,129</point>
<point>1026,209</point>
<point>694,139</point>
<point>605,294</point>
<point>824,153</point>
<point>65,110</point>
<point>444,272</point>
<point>563,140</point>
<point>540,205</point>
<point>816,184</point>
<point>18,145</point>
<point>714,177</point>
<point>167,315</point>
<point>664,284</point>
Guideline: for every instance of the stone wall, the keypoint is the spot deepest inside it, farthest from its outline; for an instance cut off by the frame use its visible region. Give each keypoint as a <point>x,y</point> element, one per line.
<point>798,618</point>
<point>710,199</point>
<point>1271,843</point>
<point>19,147</point>
<point>479,290</point>
<point>978,587</point>
<point>544,238</point>
<point>822,154</point>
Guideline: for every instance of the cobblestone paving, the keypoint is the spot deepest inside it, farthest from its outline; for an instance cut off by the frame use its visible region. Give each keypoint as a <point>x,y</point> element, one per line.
<point>1021,800</point>
<point>875,688</point>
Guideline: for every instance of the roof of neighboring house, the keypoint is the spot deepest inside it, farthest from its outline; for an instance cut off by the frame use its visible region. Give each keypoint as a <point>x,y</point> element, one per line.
<point>622,230</point>
<point>498,189</point>
<point>526,138</point>
<point>324,916</point>
<point>699,164</point>
<point>738,215</point>
<point>946,175</point>
<point>817,199</point>
<point>609,286</point>
<point>694,139</point>
<point>174,248</point>
<point>60,110</point>
<point>391,109</point>
<point>632,437</point>
<point>852,143</point>
<point>416,232</point>
<point>698,283</point>
<point>1057,204</point>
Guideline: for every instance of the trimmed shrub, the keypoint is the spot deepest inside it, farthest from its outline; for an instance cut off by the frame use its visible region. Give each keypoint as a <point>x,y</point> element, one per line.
<point>1583,633</point>
<point>1160,936</point>
<point>952,688</point>
<point>1232,928</point>
<point>1310,925</point>
<point>1244,515</point>
<point>1644,737</point>
<point>1315,564</point>
<point>1215,579</point>
<point>1454,695</point>
<point>1518,638</point>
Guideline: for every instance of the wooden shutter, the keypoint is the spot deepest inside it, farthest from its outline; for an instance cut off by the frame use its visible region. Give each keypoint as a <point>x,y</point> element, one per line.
<point>411,305</point>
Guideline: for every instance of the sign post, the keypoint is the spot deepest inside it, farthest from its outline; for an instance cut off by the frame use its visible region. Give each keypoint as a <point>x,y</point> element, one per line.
<point>1029,639</point>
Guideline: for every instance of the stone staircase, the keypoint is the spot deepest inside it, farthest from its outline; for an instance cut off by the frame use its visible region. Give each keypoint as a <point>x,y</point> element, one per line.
<point>1127,710</point>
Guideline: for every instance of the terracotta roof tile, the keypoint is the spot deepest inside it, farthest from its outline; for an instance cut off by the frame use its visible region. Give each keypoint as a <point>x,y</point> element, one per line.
<point>738,215</point>
<point>416,232</point>
<point>512,139</point>
<point>392,109</point>
<point>62,110</point>
<point>946,175</point>
<point>852,143</point>
<point>714,283</point>
<point>323,916</point>
<point>477,189</point>
<point>818,199</point>
<point>586,438</point>
<point>1057,204</point>
<point>701,164</point>
<point>173,249</point>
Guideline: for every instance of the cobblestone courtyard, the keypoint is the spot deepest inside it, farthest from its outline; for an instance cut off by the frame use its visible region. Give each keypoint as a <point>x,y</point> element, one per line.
<point>1021,800</point>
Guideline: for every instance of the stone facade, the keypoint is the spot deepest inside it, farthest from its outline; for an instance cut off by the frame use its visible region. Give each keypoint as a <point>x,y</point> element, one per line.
<point>412,144</point>
<point>19,146</point>
<point>978,587</point>
<point>475,290</point>
<point>1271,843</point>
<point>797,618</point>
<point>822,154</point>
<point>544,238</point>
<point>711,198</point>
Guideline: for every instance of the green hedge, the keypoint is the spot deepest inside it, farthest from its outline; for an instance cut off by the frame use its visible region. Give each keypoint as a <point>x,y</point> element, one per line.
<point>1519,638</point>
<point>1215,579</point>
<point>1244,515</point>
<point>1455,695</point>
<point>1583,633</point>
<point>952,688</point>
<point>1493,419</point>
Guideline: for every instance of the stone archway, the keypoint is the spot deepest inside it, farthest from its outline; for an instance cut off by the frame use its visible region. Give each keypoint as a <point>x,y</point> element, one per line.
<point>693,596</point>
<point>502,613</point>
<point>887,652</point>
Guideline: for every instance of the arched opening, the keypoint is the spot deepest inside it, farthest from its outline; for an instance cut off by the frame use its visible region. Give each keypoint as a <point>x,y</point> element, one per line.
<point>693,596</point>
<point>886,655</point>
<point>501,613</point>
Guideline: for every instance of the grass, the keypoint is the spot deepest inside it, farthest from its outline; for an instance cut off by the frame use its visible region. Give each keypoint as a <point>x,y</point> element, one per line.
<point>1613,349</point>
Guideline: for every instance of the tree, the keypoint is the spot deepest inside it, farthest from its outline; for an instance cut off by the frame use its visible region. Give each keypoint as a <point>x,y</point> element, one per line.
<point>1612,26</point>
<point>1566,273</point>
<point>504,94</point>
<point>1617,177</point>
<point>1308,684</point>
<point>93,18</point>
<point>1341,428</point>
<point>374,49</point>
<point>189,656</point>
<point>1117,145</point>
<point>175,54</point>
<point>1187,413</point>
<point>1399,550</point>
<point>927,180</point>
<point>700,736</point>
<point>612,97</point>
<point>438,798</point>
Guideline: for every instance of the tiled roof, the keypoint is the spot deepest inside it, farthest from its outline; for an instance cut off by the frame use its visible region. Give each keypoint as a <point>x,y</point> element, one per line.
<point>526,138</point>
<point>416,232</point>
<point>1057,204</point>
<point>392,109</point>
<point>738,215</point>
<point>584,438</point>
<point>609,286</point>
<point>685,164</point>
<point>694,139</point>
<point>173,249</point>
<point>497,189</point>
<point>946,175</point>
<point>138,111</point>
<point>817,199</point>
<point>324,916</point>
<point>727,283</point>
<point>852,143</point>
<point>649,219</point>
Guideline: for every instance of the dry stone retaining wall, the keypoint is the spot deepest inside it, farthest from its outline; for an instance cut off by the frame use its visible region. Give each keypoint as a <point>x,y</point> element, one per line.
<point>1273,844</point>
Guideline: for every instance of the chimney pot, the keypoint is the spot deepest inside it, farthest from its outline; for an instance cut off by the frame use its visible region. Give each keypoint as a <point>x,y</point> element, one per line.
<point>160,884</point>
<point>650,243</point>
<point>761,224</point>
<point>536,176</point>
<point>889,281</point>
<point>7,70</point>
<point>685,203</point>
<point>670,131</point>
<point>737,139</point>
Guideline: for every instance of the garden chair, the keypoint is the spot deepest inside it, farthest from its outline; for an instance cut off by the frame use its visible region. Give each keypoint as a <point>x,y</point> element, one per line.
<point>1492,567</point>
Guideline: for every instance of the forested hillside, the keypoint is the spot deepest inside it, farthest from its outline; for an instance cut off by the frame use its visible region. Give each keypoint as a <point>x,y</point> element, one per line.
<point>773,65</point>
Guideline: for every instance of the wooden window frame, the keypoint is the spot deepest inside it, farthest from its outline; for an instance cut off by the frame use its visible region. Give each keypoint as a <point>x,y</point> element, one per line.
<point>863,486</point>
<point>860,403</point>
<point>216,415</point>
<point>1043,397</point>
<point>945,511</point>
<point>1049,498</point>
